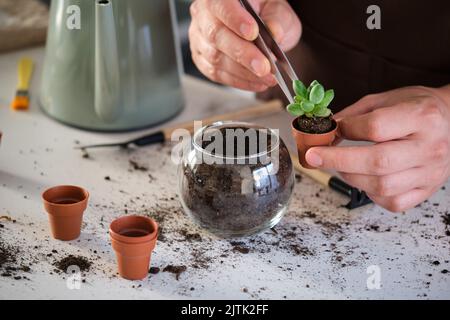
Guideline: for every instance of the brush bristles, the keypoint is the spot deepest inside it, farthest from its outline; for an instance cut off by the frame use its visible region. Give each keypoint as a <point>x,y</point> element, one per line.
<point>21,101</point>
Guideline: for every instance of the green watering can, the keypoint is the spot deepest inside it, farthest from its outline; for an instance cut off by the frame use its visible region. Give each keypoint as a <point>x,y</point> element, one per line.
<point>112,65</point>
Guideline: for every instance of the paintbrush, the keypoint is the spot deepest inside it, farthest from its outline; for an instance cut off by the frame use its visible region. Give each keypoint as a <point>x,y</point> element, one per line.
<point>22,99</point>
<point>165,134</point>
<point>357,197</point>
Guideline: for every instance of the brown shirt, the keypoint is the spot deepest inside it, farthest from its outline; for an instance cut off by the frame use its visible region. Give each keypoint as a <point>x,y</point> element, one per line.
<point>411,48</point>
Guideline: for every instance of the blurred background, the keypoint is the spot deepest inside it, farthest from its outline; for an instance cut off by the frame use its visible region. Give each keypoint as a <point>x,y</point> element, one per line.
<point>23,23</point>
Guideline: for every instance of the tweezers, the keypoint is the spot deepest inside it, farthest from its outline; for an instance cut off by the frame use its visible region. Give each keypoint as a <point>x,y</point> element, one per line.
<point>269,47</point>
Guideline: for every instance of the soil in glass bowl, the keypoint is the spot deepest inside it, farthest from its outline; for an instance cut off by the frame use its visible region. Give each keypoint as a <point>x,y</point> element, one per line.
<point>237,198</point>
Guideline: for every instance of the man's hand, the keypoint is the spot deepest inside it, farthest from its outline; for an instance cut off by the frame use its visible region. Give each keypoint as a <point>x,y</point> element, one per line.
<point>221,33</point>
<point>410,159</point>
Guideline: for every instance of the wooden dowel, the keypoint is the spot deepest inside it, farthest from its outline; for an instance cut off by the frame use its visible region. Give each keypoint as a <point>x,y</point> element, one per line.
<point>261,109</point>
<point>318,175</point>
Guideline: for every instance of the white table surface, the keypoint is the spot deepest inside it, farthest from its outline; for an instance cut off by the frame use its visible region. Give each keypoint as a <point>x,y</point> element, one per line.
<point>38,152</point>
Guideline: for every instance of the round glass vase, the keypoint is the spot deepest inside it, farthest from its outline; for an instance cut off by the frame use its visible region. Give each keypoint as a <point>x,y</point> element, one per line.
<point>235,178</point>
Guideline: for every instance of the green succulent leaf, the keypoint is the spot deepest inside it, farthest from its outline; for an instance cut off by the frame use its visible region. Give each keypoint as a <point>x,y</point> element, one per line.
<point>300,89</point>
<point>317,94</point>
<point>317,108</point>
<point>314,83</point>
<point>323,113</point>
<point>295,109</point>
<point>308,91</point>
<point>307,106</point>
<point>312,101</point>
<point>328,97</point>
<point>298,99</point>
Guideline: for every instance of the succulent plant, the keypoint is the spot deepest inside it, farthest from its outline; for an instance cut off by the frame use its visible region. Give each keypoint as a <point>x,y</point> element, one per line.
<point>312,101</point>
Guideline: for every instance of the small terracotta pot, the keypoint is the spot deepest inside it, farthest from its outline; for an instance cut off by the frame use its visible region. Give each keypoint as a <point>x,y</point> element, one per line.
<point>133,238</point>
<point>308,140</point>
<point>65,206</point>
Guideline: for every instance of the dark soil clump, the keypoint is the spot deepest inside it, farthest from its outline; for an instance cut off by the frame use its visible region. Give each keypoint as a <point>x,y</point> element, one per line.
<point>177,270</point>
<point>82,263</point>
<point>315,125</point>
<point>154,270</point>
<point>85,154</point>
<point>446,221</point>
<point>191,237</point>
<point>241,249</point>
<point>136,166</point>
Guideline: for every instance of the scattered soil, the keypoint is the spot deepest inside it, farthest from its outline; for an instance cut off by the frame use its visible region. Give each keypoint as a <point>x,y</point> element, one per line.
<point>199,258</point>
<point>177,270</point>
<point>191,236</point>
<point>7,254</point>
<point>298,235</point>
<point>213,193</point>
<point>85,154</point>
<point>136,166</point>
<point>154,270</point>
<point>446,220</point>
<point>12,262</point>
<point>301,250</point>
<point>83,263</point>
<point>315,125</point>
<point>241,249</point>
<point>373,227</point>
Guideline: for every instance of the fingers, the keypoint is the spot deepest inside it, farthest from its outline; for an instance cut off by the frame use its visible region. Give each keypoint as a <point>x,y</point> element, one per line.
<point>382,124</point>
<point>364,105</point>
<point>403,201</point>
<point>396,183</point>
<point>379,159</point>
<point>235,17</point>
<point>226,41</point>
<point>224,77</point>
<point>283,22</point>
<point>220,61</point>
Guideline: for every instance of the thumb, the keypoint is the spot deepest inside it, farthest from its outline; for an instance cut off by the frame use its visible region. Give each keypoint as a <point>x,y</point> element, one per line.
<point>283,22</point>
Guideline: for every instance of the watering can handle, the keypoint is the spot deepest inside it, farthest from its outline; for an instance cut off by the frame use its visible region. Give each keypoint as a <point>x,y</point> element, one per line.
<point>107,74</point>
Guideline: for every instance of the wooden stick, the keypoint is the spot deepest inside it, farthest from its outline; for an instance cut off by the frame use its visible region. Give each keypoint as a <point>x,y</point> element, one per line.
<point>318,175</point>
<point>261,109</point>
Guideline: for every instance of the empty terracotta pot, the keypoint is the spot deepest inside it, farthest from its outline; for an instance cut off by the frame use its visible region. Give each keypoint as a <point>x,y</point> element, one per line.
<point>65,206</point>
<point>133,238</point>
<point>308,140</point>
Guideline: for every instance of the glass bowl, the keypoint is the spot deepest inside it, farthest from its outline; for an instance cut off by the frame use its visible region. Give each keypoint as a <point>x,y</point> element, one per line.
<point>235,178</point>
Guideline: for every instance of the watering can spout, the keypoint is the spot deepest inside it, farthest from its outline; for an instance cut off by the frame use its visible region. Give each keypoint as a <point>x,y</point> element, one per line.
<point>107,75</point>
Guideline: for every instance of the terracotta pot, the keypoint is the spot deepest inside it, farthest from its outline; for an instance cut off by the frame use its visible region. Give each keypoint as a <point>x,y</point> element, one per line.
<point>133,238</point>
<point>65,206</point>
<point>308,140</point>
